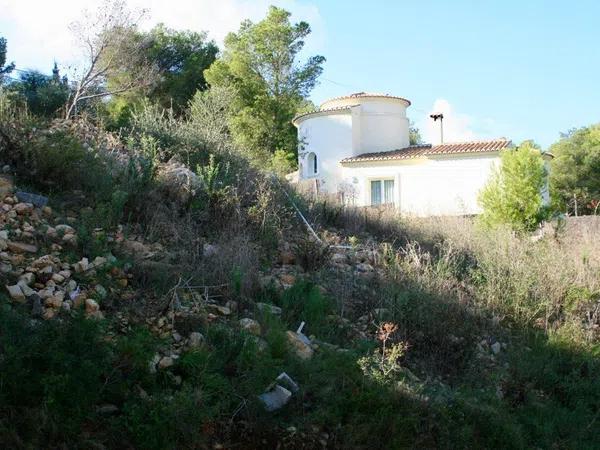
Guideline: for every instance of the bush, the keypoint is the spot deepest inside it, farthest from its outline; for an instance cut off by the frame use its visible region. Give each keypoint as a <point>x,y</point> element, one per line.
<point>513,196</point>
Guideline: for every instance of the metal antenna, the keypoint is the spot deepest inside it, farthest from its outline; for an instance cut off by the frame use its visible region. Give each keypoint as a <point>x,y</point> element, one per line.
<point>440,116</point>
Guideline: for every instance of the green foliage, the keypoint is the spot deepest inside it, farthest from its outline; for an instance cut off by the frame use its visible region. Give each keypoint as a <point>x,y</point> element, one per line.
<point>283,162</point>
<point>513,195</point>
<point>58,162</point>
<point>304,302</point>
<point>178,60</point>
<point>260,63</point>
<point>181,58</point>
<point>44,94</point>
<point>209,113</point>
<point>574,178</point>
<point>414,135</point>
<point>50,377</point>
<point>4,68</point>
<point>311,255</point>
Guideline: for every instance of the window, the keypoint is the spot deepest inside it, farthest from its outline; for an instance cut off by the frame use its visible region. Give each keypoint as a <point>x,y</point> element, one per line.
<point>382,192</point>
<point>312,168</point>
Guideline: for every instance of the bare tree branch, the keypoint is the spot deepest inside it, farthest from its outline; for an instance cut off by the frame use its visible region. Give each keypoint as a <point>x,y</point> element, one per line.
<point>108,40</point>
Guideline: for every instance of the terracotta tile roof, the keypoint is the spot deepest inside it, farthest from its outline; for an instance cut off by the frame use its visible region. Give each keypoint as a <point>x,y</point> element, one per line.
<point>317,111</point>
<point>415,151</point>
<point>470,147</point>
<point>366,94</point>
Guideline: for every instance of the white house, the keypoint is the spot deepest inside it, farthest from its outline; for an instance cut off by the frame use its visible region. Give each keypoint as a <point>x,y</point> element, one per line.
<point>357,148</point>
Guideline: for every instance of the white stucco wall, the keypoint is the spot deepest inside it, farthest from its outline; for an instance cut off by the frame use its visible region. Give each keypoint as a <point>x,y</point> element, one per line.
<point>330,138</point>
<point>383,126</point>
<point>368,124</point>
<point>435,186</point>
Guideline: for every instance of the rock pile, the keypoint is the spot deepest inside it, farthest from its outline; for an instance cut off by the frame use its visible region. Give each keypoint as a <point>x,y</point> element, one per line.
<point>33,267</point>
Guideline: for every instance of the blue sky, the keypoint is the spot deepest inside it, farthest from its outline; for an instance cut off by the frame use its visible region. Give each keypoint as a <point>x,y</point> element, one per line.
<point>516,69</point>
<point>520,69</point>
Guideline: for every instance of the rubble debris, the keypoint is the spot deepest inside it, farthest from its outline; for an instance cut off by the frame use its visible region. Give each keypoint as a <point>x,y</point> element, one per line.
<point>276,398</point>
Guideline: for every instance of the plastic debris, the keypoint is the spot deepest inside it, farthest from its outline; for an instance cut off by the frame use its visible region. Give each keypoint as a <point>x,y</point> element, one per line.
<point>284,378</point>
<point>277,396</point>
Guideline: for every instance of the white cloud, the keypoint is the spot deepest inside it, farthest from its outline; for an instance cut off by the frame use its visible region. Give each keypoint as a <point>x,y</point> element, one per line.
<point>457,126</point>
<point>37,31</point>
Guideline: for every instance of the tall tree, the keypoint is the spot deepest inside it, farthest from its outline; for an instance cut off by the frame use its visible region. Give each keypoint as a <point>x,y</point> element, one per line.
<point>575,170</point>
<point>260,63</point>
<point>514,193</point>
<point>111,44</point>
<point>181,58</point>
<point>4,68</point>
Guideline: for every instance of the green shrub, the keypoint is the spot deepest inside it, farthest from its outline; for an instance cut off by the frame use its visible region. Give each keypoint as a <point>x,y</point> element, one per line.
<point>51,377</point>
<point>513,196</point>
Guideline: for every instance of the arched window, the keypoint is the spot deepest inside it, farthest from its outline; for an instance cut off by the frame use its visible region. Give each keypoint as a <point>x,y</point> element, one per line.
<point>312,166</point>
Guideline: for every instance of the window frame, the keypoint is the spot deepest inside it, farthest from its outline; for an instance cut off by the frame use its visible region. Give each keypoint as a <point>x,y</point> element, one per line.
<point>312,167</point>
<point>381,182</point>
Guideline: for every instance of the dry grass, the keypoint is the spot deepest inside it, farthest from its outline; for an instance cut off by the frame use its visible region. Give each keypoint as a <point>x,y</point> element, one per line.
<point>550,283</point>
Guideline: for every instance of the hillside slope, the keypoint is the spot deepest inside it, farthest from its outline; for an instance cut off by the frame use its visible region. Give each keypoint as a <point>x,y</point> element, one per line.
<point>149,306</point>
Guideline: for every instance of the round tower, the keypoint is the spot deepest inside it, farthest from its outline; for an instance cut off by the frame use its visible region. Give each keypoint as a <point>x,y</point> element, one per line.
<point>379,120</point>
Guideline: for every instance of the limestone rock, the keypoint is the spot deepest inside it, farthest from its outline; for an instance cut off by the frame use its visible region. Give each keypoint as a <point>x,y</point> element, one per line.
<point>53,302</point>
<point>82,265</point>
<point>276,310</point>
<point>91,306</point>
<point>16,293</point>
<point>496,347</point>
<point>28,278</point>
<point>48,314</point>
<point>165,361</point>
<point>21,247</point>
<point>64,229</point>
<point>300,347</point>
<point>101,291</point>
<point>251,326</point>
<point>287,279</point>
<point>218,309</point>
<point>23,208</point>
<point>196,339</point>
<point>6,184</point>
